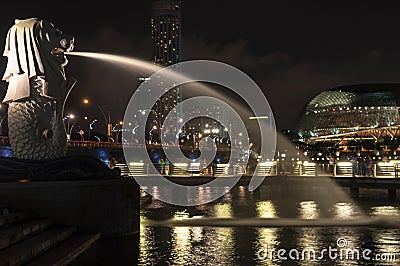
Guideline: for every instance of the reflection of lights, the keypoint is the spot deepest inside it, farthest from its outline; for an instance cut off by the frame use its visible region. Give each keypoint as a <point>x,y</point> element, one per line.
<point>181,242</point>
<point>309,241</point>
<point>200,194</point>
<point>267,240</point>
<point>155,192</point>
<point>386,211</point>
<point>267,237</point>
<point>387,242</point>
<point>242,196</point>
<point>181,245</point>
<point>146,242</point>
<point>223,210</point>
<point>344,210</point>
<point>308,210</point>
<point>266,209</point>
<point>224,236</point>
<point>226,244</point>
<point>197,233</point>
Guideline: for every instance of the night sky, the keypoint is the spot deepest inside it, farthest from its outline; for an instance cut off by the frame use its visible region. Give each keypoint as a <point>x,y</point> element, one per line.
<point>292,50</point>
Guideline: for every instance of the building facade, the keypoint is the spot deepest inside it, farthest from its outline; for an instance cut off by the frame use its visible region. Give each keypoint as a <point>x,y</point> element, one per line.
<point>166,41</point>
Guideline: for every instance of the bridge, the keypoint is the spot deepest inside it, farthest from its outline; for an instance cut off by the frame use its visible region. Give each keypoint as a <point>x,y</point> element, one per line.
<point>375,133</point>
<point>4,141</point>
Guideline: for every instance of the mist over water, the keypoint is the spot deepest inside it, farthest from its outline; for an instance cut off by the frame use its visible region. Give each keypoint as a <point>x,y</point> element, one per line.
<point>331,191</point>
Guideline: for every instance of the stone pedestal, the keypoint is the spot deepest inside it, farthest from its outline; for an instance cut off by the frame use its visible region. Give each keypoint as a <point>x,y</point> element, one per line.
<point>107,206</point>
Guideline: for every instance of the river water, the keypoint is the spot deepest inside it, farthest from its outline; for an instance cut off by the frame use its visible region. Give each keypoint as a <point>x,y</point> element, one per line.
<point>239,244</point>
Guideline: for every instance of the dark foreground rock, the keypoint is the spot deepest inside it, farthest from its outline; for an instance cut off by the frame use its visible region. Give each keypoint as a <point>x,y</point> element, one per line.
<point>67,168</point>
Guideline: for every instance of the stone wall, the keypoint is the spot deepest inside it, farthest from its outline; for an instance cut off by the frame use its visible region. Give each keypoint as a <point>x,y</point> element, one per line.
<point>107,206</point>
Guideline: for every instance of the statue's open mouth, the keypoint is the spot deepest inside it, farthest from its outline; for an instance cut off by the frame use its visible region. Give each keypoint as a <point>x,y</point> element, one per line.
<point>57,51</point>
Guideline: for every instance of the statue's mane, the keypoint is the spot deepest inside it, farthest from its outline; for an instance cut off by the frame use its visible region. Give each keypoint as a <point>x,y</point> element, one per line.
<point>22,50</point>
<point>24,60</point>
<point>26,57</point>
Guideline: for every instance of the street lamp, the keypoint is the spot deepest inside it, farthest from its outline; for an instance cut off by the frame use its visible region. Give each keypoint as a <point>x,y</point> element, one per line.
<point>106,115</point>
<point>68,130</point>
<point>151,134</point>
<point>91,127</point>
<point>117,130</point>
<point>107,119</point>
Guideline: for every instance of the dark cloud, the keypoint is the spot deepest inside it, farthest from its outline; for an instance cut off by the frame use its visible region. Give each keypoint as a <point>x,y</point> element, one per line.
<point>237,53</point>
<point>374,55</point>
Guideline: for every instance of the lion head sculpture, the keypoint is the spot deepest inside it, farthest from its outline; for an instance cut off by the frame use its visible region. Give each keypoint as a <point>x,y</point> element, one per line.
<point>36,60</point>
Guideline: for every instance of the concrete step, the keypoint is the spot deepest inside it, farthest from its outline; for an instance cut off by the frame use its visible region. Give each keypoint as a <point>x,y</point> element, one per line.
<point>12,218</point>
<point>20,231</point>
<point>32,247</point>
<point>66,252</point>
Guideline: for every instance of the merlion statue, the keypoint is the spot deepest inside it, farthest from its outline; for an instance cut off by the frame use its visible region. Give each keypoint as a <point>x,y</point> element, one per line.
<point>37,88</point>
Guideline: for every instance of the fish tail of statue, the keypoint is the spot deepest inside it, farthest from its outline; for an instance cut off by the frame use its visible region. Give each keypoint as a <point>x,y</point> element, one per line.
<point>37,89</point>
<point>36,131</point>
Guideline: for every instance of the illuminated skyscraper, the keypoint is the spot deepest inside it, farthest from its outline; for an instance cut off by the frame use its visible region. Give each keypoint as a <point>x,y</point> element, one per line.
<point>166,32</point>
<point>166,40</point>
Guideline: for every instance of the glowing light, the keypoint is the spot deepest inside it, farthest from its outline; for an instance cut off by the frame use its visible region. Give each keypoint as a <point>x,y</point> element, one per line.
<point>258,117</point>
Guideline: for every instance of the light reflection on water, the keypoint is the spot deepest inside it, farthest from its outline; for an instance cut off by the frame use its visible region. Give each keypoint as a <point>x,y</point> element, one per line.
<point>346,210</point>
<point>267,238</point>
<point>207,245</point>
<point>308,238</point>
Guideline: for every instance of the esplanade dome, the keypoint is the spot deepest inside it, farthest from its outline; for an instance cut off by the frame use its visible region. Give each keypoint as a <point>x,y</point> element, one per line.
<point>349,108</point>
